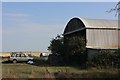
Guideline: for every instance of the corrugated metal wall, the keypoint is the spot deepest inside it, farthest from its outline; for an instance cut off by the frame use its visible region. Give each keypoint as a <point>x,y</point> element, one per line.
<point>102,38</point>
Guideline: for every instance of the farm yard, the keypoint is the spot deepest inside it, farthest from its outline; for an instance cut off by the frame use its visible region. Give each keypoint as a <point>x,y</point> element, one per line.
<point>41,69</point>
<point>87,48</point>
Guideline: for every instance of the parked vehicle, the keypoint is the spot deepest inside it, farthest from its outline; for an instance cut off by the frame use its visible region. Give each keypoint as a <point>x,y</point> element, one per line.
<point>44,54</point>
<point>19,56</point>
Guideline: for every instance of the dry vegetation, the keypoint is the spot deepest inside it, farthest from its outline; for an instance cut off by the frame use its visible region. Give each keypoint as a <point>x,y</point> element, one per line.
<point>31,71</point>
<point>41,69</point>
<point>7,54</point>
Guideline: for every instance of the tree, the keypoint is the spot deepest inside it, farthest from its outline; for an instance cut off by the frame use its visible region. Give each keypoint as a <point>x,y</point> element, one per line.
<point>75,49</point>
<point>76,45</point>
<point>116,8</point>
<point>57,45</point>
<point>72,49</point>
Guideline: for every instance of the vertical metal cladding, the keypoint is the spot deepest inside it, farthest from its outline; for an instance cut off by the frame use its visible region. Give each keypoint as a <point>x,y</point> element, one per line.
<point>102,38</point>
<point>102,34</point>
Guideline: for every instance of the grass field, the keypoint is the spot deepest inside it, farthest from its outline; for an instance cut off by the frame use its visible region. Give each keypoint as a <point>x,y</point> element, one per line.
<point>22,70</point>
<point>43,70</point>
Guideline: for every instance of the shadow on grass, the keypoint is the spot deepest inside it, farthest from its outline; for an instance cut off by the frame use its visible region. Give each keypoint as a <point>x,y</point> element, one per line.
<point>7,62</point>
<point>45,63</point>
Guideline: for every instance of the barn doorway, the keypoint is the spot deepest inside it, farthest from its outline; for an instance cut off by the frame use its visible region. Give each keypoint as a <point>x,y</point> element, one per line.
<point>75,41</point>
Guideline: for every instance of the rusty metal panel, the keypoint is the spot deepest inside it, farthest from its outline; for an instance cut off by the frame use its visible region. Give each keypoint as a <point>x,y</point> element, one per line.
<point>102,38</point>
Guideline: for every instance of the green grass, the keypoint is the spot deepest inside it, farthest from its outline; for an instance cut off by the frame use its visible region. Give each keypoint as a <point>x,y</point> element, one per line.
<point>22,70</point>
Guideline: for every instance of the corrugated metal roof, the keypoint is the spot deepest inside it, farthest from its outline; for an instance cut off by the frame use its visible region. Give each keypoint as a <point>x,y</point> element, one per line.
<point>76,24</point>
<point>100,23</point>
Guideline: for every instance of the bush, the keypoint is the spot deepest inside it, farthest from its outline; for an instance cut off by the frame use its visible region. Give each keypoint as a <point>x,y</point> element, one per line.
<point>106,58</point>
<point>71,48</point>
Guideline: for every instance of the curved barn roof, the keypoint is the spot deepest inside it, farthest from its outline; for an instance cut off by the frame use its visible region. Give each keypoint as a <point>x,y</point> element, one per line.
<point>99,23</point>
<point>76,24</point>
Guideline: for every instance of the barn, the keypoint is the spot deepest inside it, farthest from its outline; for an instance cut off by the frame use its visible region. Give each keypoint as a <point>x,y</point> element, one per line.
<point>99,33</point>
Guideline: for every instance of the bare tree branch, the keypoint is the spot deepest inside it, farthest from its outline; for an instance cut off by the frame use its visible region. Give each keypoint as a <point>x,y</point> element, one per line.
<point>116,9</point>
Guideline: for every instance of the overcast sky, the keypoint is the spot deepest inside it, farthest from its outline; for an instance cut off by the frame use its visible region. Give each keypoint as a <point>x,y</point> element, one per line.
<point>31,26</point>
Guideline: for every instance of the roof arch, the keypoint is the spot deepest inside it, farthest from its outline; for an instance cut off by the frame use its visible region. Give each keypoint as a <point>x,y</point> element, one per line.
<point>77,24</point>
